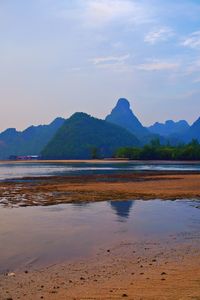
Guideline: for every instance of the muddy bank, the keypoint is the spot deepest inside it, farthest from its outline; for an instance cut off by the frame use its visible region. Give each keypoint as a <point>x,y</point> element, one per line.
<point>85,188</point>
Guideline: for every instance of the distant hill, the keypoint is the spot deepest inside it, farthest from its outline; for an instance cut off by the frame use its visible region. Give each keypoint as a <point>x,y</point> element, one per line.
<point>28,142</point>
<point>85,137</point>
<point>169,127</point>
<point>192,133</point>
<point>123,116</point>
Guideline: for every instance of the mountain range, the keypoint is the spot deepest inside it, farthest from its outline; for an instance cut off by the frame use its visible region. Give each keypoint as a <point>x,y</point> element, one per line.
<point>193,132</point>
<point>83,136</point>
<point>31,141</point>
<point>177,132</point>
<point>169,127</point>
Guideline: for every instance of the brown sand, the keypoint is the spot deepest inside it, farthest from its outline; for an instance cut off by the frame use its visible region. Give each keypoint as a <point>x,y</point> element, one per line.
<point>145,185</point>
<point>143,270</point>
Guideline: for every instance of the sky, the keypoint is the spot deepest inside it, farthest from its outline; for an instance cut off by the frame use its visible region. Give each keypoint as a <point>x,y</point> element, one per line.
<point>58,57</point>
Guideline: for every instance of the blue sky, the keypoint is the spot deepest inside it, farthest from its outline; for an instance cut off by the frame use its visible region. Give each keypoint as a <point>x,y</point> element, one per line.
<point>62,56</point>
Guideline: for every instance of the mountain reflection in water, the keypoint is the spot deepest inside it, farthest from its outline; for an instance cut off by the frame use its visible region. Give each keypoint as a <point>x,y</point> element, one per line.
<point>122,209</point>
<point>38,236</point>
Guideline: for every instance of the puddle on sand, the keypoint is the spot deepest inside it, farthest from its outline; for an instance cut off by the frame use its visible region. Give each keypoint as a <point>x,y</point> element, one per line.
<point>37,236</point>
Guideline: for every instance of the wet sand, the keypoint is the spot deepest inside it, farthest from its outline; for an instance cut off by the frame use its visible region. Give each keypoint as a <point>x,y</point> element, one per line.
<point>88,188</point>
<point>143,270</point>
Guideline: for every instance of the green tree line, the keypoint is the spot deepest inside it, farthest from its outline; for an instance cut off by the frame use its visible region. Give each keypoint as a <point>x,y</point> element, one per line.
<point>156,151</point>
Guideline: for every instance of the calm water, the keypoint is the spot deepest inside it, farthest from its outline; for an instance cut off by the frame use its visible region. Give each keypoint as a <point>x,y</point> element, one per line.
<point>35,236</point>
<point>18,170</point>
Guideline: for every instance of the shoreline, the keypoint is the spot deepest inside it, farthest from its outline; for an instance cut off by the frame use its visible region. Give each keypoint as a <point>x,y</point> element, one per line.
<point>101,161</point>
<point>133,270</point>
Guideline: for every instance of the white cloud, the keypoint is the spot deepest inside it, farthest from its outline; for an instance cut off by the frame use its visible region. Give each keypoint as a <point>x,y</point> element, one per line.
<point>97,13</point>
<point>192,41</point>
<point>193,67</point>
<point>113,63</point>
<point>75,69</point>
<point>117,67</point>
<point>197,80</point>
<point>102,11</point>
<point>159,35</point>
<point>110,59</point>
<point>187,95</point>
<point>158,65</point>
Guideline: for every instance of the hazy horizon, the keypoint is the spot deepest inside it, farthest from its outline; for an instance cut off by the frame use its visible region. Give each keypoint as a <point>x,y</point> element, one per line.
<point>58,57</point>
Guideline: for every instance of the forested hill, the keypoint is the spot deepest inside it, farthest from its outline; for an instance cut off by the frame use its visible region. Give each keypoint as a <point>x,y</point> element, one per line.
<point>85,137</point>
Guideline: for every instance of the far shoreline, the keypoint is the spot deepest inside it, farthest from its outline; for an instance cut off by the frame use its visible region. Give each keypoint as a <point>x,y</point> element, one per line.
<point>101,161</point>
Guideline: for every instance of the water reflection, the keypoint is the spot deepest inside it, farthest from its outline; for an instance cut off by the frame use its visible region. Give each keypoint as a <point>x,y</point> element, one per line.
<point>38,236</point>
<point>122,209</point>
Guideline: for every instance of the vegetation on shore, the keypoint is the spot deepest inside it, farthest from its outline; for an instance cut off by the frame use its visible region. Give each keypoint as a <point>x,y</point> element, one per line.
<point>156,151</point>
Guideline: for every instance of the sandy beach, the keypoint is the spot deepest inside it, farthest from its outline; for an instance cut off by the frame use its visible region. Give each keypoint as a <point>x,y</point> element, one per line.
<point>143,270</point>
